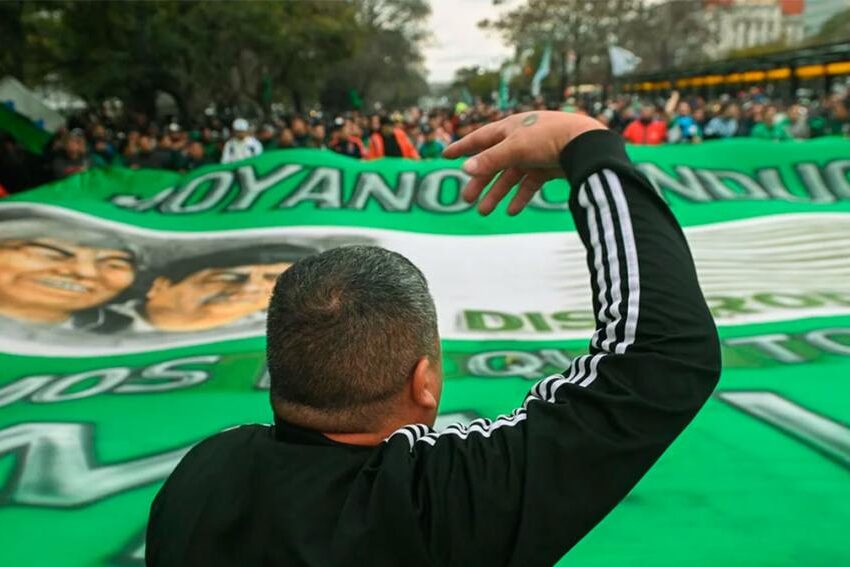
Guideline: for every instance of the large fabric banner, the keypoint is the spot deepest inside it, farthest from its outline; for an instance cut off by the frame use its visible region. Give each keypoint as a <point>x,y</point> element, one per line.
<point>132,319</point>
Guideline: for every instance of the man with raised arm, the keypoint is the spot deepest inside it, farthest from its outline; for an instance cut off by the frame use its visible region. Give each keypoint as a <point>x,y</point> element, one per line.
<point>351,472</point>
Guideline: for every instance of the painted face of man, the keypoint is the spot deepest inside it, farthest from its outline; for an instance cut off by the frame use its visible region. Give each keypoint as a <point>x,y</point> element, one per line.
<point>212,297</point>
<point>46,279</point>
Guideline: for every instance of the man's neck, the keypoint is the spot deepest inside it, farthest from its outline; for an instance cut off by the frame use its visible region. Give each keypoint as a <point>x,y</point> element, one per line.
<point>363,439</point>
<point>342,431</point>
<point>369,438</point>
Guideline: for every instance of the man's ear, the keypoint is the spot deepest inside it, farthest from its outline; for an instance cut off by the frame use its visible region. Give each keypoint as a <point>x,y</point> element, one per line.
<point>425,387</point>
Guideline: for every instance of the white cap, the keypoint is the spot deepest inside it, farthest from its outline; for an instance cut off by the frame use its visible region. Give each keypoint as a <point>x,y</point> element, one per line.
<point>240,125</point>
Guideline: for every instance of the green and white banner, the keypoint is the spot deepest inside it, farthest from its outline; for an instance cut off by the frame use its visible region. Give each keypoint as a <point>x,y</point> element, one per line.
<point>132,318</point>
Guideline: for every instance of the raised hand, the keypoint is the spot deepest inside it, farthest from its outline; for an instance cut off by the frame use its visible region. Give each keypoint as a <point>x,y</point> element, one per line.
<point>524,148</point>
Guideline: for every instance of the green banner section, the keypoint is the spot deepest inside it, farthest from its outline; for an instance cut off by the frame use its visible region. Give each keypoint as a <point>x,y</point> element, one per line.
<point>132,313</point>
<point>23,130</point>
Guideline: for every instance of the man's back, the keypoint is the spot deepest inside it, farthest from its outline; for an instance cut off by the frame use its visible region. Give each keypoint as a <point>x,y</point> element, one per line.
<point>279,495</point>
<point>519,490</point>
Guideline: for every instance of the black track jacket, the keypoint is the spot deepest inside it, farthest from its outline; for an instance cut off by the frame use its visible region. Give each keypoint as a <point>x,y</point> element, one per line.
<point>519,490</point>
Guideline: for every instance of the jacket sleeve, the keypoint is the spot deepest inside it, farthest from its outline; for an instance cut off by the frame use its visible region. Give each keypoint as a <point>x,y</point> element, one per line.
<point>524,488</point>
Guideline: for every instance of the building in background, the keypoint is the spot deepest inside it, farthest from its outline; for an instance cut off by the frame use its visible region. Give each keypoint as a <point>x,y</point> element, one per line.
<point>742,24</point>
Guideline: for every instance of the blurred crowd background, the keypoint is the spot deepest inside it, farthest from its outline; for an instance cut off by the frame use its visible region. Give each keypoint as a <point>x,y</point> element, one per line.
<point>98,138</point>
<point>179,85</point>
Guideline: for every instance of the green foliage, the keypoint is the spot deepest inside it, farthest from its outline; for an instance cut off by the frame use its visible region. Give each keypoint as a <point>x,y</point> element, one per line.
<point>758,50</point>
<point>671,34</point>
<point>477,81</point>
<point>581,27</point>
<point>837,28</point>
<point>27,30</point>
<point>663,34</point>
<point>387,64</point>
<point>242,54</point>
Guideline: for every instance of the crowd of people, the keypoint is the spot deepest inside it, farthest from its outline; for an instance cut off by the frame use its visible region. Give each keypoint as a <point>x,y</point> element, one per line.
<point>693,120</point>
<point>97,139</point>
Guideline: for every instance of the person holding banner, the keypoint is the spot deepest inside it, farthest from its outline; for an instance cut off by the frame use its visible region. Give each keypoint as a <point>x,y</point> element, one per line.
<point>352,473</point>
<point>390,141</point>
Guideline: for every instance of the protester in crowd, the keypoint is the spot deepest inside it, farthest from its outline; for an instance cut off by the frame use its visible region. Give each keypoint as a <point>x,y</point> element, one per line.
<point>285,140</point>
<point>390,141</point>
<point>242,145</point>
<point>128,146</point>
<point>798,122</point>
<point>753,113</point>
<point>101,150</point>
<point>266,136</point>
<point>726,124</point>
<point>414,133</point>
<point>299,131</point>
<point>682,128</point>
<point>342,141</point>
<point>354,132</point>
<point>831,119</point>
<point>463,126</point>
<point>210,139</point>
<point>436,122</point>
<point>177,137</point>
<point>73,157</point>
<point>771,125</point>
<point>700,117</point>
<point>352,472</point>
<point>149,155</point>
<point>317,135</point>
<point>136,140</point>
<point>194,157</point>
<point>647,128</point>
<point>431,147</point>
<point>621,114</point>
<point>374,124</point>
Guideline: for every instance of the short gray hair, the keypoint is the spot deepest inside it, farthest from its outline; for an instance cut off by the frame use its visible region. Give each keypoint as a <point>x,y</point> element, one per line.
<point>345,329</point>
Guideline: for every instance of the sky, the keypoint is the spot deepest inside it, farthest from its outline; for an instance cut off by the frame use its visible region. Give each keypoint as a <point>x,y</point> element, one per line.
<point>457,41</point>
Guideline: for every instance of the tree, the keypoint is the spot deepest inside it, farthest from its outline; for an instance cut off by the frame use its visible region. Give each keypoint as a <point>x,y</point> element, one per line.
<point>758,50</point>
<point>663,34</point>
<point>199,52</point>
<point>581,29</point>
<point>837,28</point>
<point>240,55</point>
<point>477,81</point>
<point>387,64</point>
<point>670,34</point>
<point>12,30</point>
<point>27,29</point>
